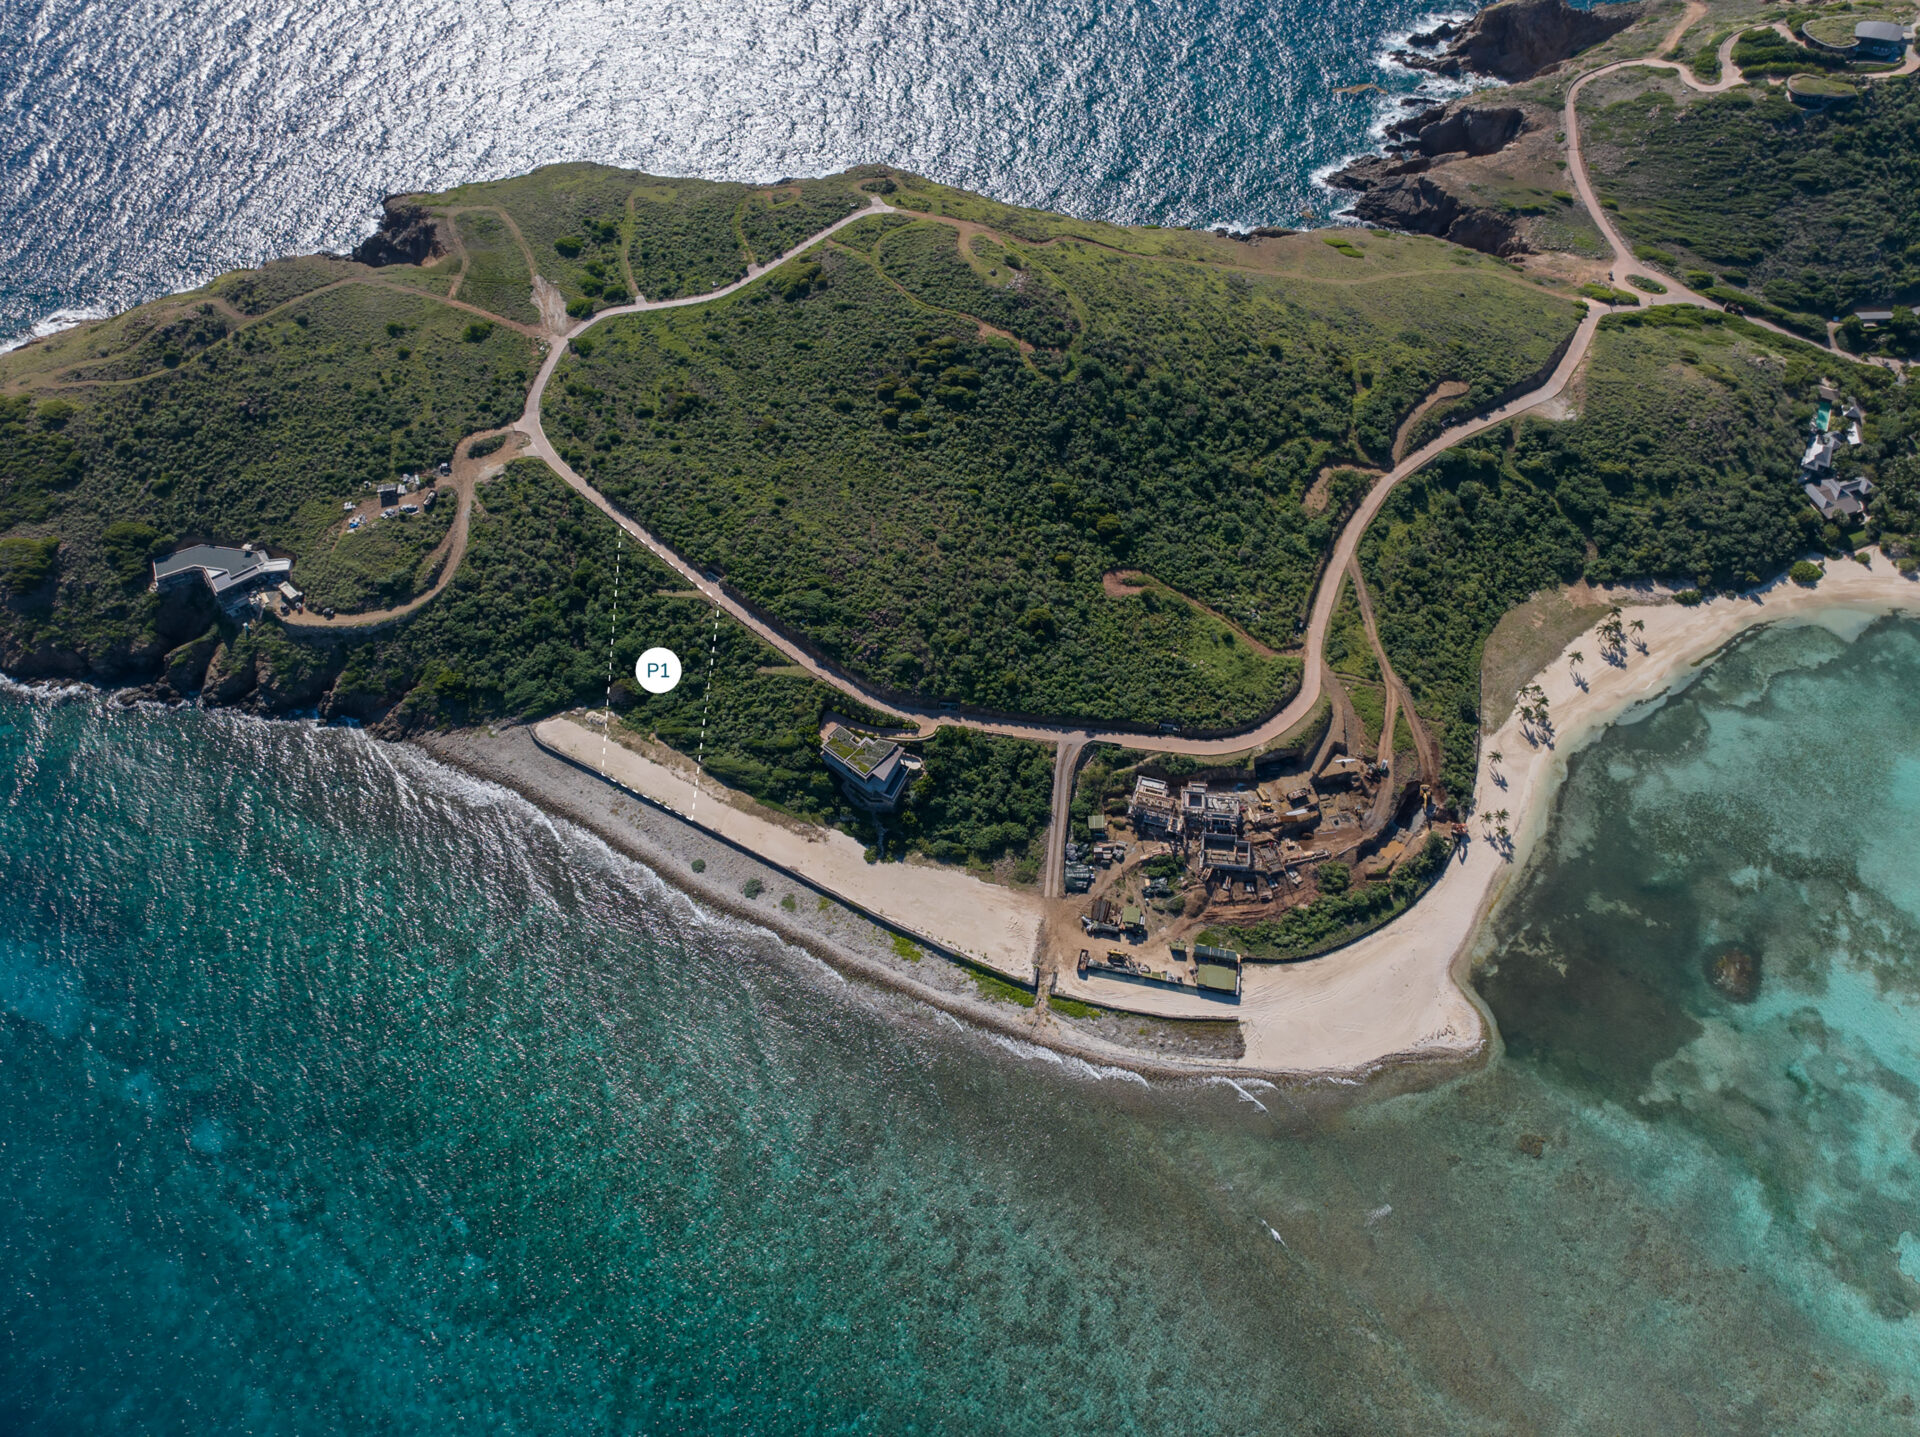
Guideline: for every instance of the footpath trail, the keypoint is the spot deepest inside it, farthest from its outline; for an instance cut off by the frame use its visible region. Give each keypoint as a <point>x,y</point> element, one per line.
<point>1620,275</point>
<point>445,559</point>
<point>926,717</point>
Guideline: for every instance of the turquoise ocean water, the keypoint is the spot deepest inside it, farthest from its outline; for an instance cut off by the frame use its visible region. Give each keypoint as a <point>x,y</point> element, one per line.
<point>341,1093</point>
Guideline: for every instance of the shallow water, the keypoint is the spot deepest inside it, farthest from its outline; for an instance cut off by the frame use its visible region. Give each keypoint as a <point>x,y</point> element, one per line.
<point>339,1091</point>
<point>1773,809</point>
<point>146,146</point>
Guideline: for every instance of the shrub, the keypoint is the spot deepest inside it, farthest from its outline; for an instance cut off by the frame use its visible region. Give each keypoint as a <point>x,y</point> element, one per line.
<point>477,332</point>
<point>25,563</point>
<point>55,413</point>
<point>699,865</point>
<point>753,888</point>
<point>1334,877</point>
<point>1806,573</point>
<point>131,545</point>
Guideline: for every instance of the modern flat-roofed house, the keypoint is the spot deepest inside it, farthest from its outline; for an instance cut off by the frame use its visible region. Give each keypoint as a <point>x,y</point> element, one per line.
<point>873,771</point>
<point>1154,813</point>
<point>1216,969</point>
<point>1879,40</point>
<point>228,572</point>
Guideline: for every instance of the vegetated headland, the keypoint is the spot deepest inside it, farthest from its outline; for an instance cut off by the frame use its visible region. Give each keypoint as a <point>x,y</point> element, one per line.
<point>1000,531</point>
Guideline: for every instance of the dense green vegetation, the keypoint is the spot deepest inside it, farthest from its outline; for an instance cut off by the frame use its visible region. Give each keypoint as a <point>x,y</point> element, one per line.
<point>771,222</point>
<point>855,447</point>
<point>935,510</point>
<point>983,279</point>
<point>1811,213</point>
<point>1341,913</point>
<point>1764,53</point>
<point>980,797</point>
<point>37,458</point>
<point>1681,464</point>
<point>1348,650</point>
<point>260,436</point>
<point>522,631</point>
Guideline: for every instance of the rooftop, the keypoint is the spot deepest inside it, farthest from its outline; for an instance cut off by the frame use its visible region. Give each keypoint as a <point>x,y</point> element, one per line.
<point>223,568</point>
<point>860,753</point>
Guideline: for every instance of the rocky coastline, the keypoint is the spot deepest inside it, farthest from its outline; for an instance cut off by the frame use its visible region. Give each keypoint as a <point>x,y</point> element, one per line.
<point>1408,186</point>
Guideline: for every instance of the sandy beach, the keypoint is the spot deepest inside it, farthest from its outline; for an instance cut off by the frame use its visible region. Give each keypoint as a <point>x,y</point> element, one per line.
<point>945,906</point>
<point>1401,993</point>
<point>1397,998</point>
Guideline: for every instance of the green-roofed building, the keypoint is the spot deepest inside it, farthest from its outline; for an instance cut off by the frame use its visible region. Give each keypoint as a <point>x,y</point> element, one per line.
<point>873,771</point>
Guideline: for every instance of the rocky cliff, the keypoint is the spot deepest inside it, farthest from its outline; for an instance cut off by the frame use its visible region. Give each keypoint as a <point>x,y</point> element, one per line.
<point>1517,39</point>
<point>1397,191</point>
<point>407,235</point>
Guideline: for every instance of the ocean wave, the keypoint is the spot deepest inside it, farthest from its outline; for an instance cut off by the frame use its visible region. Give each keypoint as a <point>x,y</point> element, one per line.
<point>1239,1085</point>
<point>52,324</point>
<point>1067,1062</point>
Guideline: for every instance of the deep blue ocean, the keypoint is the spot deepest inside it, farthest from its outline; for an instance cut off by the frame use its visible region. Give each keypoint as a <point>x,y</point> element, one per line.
<point>148,145</point>
<point>341,1093</point>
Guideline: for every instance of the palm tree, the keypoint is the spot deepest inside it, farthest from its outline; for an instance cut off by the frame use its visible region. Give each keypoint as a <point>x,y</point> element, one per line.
<point>1496,758</point>
<point>1575,659</point>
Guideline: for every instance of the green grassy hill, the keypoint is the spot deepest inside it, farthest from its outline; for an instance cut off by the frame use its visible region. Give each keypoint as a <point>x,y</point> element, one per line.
<point>925,446</point>
<point>1747,195</point>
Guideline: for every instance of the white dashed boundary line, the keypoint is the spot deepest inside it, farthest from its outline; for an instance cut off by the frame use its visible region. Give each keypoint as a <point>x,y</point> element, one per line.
<point>613,631</point>
<point>706,700</point>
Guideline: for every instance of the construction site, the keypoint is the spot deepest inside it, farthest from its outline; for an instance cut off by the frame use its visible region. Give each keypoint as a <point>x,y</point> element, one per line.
<point>1165,864</point>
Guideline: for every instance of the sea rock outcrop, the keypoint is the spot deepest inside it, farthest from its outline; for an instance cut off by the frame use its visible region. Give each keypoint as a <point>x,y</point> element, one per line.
<point>1517,39</point>
<point>1397,191</point>
<point>1471,130</point>
<point>1735,974</point>
<point>407,235</point>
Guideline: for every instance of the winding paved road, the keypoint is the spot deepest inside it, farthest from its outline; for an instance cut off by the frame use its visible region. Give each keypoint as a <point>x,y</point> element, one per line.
<point>930,716</point>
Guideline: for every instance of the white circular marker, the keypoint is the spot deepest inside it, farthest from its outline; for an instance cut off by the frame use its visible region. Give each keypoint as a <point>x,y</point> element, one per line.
<point>657,670</point>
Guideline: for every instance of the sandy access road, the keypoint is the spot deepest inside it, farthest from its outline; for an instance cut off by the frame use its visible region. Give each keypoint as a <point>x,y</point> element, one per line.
<point>947,906</point>
<point>1400,994</point>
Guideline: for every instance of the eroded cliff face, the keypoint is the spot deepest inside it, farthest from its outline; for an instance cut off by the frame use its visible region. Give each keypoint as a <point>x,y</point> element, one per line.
<point>1397,190</point>
<point>407,235</point>
<point>1518,39</point>
<point>1429,180</point>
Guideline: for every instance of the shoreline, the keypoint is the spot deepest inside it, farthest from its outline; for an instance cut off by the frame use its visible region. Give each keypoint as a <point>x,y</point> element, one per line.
<point>1399,999</point>
<point>855,947</point>
<point>1392,1011</point>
